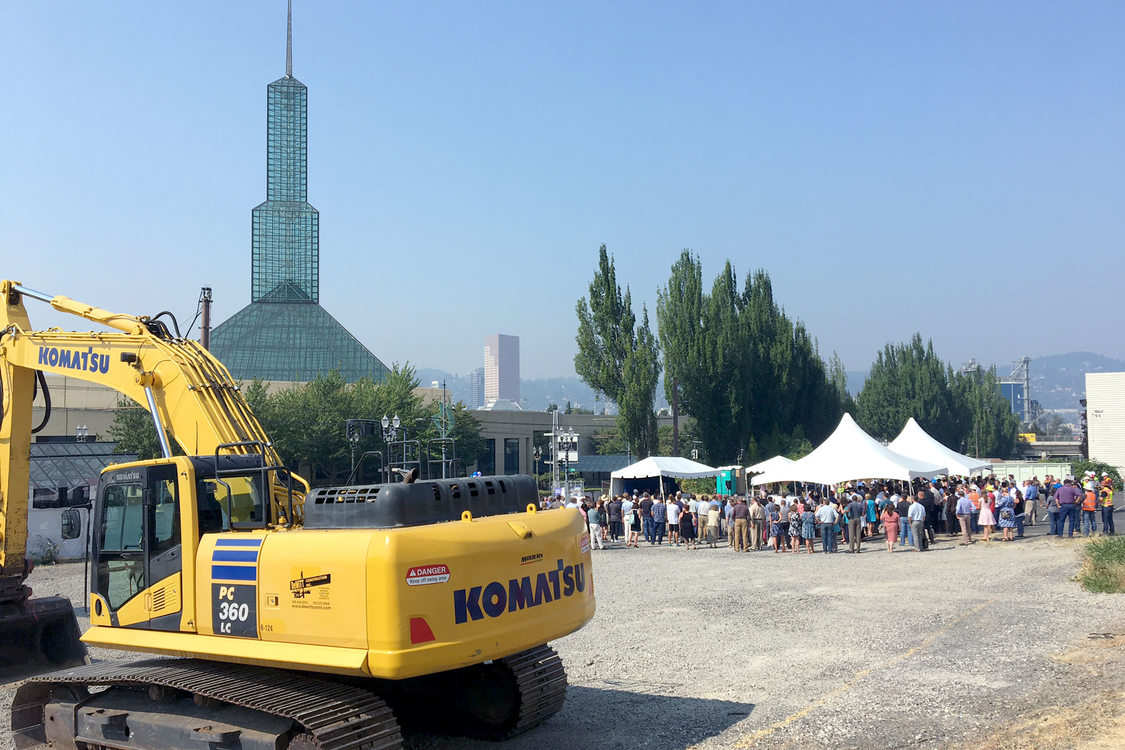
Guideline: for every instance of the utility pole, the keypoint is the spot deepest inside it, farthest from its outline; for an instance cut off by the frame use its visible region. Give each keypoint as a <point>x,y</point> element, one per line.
<point>554,449</point>
<point>675,417</point>
<point>444,430</point>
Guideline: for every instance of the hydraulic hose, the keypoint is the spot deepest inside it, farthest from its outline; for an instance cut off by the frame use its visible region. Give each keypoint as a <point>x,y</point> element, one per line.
<point>175,323</point>
<point>46,401</point>
<point>40,380</point>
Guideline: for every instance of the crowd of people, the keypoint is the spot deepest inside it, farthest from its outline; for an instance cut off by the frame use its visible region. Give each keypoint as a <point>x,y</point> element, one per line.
<point>903,514</point>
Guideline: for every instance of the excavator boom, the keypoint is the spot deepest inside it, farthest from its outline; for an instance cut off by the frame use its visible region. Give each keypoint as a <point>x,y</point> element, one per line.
<point>191,396</point>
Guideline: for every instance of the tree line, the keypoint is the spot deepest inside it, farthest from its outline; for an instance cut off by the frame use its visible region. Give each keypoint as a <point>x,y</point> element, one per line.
<point>752,378</point>
<point>962,409</point>
<point>307,423</point>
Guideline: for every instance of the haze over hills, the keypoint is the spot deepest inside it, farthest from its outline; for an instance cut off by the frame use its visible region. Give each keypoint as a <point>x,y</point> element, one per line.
<point>1058,381</point>
<point>536,393</point>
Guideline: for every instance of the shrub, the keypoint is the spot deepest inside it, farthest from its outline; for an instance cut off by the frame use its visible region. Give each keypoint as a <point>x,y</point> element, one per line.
<point>1103,565</point>
<point>46,552</point>
<point>1078,468</point>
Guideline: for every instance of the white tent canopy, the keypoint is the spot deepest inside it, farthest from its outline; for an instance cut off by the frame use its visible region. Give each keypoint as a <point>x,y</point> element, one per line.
<point>660,466</point>
<point>850,453</point>
<point>777,462</point>
<point>916,442</point>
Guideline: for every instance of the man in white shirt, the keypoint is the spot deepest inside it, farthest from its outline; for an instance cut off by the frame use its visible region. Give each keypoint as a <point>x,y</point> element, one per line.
<point>826,516</point>
<point>917,516</point>
<point>674,523</point>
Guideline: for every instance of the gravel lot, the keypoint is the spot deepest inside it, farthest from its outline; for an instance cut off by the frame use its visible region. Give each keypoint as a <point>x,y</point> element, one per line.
<point>985,646</point>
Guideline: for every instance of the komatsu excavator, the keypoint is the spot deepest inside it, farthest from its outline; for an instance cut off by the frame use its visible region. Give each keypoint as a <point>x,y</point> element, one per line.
<point>280,617</point>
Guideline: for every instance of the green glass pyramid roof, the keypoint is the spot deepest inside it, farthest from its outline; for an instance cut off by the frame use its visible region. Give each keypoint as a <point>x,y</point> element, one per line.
<point>290,342</point>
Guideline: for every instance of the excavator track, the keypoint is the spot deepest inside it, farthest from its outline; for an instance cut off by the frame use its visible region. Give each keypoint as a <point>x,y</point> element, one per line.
<point>504,697</point>
<point>541,682</point>
<point>329,715</point>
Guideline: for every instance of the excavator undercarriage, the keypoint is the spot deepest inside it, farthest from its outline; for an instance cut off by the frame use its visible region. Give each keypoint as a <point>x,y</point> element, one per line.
<point>192,704</point>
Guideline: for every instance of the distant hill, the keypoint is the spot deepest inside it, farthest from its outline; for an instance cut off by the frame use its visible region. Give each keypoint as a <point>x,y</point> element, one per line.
<point>1058,381</point>
<point>856,379</point>
<point>535,393</point>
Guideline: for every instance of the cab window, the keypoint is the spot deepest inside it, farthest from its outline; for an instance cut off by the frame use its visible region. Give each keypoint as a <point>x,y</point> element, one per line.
<point>166,522</point>
<point>123,518</point>
<point>237,500</point>
<point>121,564</point>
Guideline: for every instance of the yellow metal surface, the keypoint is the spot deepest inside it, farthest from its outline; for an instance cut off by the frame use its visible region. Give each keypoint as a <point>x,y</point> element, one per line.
<point>99,611</point>
<point>314,587</point>
<point>238,651</point>
<point>135,611</point>
<point>484,588</point>
<point>504,592</point>
<point>15,441</point>
<point>164,598</point>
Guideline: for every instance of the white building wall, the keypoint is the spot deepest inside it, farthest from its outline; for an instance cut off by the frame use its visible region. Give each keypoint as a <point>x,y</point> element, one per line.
<point>44,531</point>
<point>1105,417</point>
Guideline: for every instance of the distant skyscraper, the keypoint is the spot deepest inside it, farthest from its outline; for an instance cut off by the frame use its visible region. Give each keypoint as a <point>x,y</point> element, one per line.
<point>476,388</point>
<point>502,367</point>
<point>284,333</point>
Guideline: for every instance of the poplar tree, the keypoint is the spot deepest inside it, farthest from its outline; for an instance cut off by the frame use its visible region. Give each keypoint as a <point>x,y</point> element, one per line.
<point>617,359</point>
<point>963,410</point>
<point>641,376</point>
<point>605,331</point>
<point>908,380</point>
<point>749,375</point>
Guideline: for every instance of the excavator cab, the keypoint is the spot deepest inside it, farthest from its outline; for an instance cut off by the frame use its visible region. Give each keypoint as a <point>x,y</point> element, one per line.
<point>137,549</point>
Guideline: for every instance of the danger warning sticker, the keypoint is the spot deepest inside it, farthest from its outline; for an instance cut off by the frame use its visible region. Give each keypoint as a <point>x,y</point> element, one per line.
<point>427,574</point>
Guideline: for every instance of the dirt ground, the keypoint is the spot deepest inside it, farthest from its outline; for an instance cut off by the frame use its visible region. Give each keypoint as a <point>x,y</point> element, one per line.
<point>990,647</point>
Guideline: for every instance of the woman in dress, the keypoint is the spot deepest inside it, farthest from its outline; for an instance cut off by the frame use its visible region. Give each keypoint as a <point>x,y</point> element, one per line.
<point>687,529</point>
<point>774,522</point>
<point>890,519</point>
<point>1005,515</point>
<point>634,527</point>
<point>794,529</point>
<point>872,516</point>
<point>987,520</point>
<point>808,527</point>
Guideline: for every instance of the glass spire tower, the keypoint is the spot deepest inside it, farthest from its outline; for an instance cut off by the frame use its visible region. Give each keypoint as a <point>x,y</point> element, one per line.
<point>285,263</point>
<point>284,334</point>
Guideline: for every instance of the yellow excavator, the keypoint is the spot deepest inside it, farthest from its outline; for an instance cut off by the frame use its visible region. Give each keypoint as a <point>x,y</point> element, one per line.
<point>280,617</point>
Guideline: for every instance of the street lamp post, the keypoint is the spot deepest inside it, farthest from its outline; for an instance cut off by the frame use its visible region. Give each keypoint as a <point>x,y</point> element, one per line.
<point>536,456</point>
<point>353,438</point>
<point>568,444</point>
<point>390,436</point>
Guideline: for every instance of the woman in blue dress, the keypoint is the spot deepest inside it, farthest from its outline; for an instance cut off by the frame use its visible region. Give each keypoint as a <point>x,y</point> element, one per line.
<point>1006,515</point>
<point>808,528</point>
<point>872,516</point>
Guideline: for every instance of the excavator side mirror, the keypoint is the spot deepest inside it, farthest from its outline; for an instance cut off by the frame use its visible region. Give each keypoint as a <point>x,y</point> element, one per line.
<point>71,524</point>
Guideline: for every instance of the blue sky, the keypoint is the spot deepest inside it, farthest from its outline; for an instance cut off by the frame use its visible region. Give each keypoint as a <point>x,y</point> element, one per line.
<point>953,168</point>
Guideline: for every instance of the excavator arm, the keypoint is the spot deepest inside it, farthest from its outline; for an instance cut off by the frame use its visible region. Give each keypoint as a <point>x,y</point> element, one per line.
<point>191,396</point>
